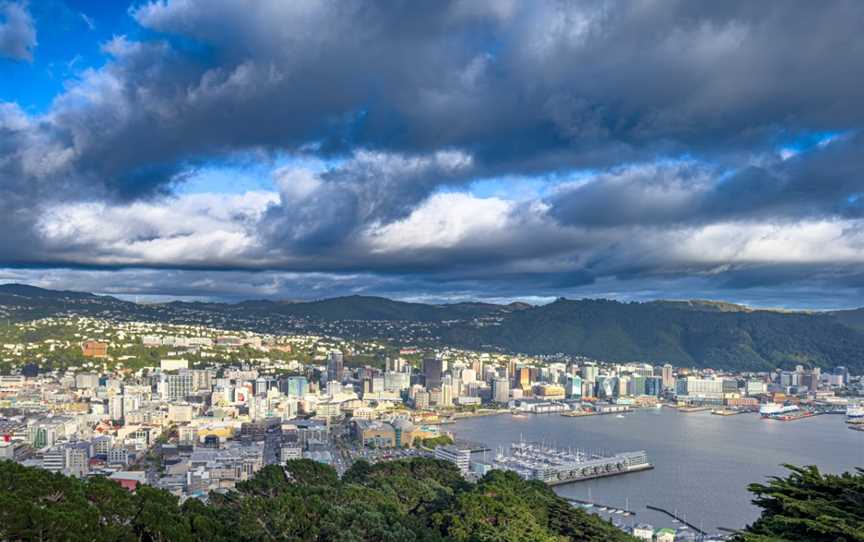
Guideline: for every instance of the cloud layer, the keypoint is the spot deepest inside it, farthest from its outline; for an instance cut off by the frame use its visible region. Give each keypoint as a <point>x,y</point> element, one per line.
<point>678,148</point>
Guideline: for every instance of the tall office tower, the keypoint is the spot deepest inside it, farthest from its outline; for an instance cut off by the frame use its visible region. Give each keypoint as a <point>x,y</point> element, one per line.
<point>202,379</point>
<point>668,377</point>
<point>115,407</point>
<point>573,386</point>
<point>815,378</point>
<point>511,367</point>
<point>589,373</point>
<point>654,385</point>
<point>294,386</point>
<point>501,390</point>
<point>524,378</point>
<point>178,386</point>
<point>395,365</point>
<point>843,373</point>
<point>334,366</point>
<point>432,372</point>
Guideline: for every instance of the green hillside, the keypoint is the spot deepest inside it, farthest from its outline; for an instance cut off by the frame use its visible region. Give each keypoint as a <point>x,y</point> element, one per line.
<point>668,332</point>
<point>684,333</point>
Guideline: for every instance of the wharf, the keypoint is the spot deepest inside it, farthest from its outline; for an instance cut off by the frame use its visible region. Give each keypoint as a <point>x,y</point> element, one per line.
<point>473,414</point>
<point>676,518</point>
<point>556,467</point>
<point>600,507</point>
<point>579,413</point>
<point>727,412</point>
<point>793,416</point>
<point>693,409</point>
<point>473,446</point>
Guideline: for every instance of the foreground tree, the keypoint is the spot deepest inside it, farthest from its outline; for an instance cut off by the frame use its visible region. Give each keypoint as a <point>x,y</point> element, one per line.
<point>420,500</point>
<point>809,506</point>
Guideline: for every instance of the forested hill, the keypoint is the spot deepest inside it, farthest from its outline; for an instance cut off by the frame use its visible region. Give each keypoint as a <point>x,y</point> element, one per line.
<point>399,501</point>
<point>685,333</point>
<point>681,334</point>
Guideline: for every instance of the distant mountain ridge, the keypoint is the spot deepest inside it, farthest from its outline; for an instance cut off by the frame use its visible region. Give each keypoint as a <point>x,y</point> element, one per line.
<point>685,333</point>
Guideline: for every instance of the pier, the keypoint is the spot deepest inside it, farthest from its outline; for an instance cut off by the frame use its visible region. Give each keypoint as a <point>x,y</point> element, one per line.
<point>553,466</point>
<point>676,518</point>
<point>600,507</point>
<point>473,446</point>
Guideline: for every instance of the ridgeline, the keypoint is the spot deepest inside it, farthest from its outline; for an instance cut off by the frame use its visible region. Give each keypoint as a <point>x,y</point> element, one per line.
<point>694,333</point>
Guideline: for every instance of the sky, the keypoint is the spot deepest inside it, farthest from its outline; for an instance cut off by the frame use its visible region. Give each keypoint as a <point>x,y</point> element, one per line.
<point>435,151</point>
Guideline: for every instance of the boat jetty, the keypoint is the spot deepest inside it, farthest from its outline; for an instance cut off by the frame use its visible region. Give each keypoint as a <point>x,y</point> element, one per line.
<point>554,466</point>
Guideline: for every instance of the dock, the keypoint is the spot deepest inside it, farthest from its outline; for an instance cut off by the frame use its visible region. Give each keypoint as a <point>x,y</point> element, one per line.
<point>473,446</point>
<point>533,461</point>
<point>730,412</point>
<point>599,506</point>
<point>676,518</point>
<point>686,410</point>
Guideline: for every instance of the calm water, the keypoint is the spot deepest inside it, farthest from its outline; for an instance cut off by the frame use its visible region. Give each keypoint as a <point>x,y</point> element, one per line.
<point>703,462</point>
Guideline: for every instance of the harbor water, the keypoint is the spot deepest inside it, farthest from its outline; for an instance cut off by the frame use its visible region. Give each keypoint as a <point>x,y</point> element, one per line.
<point>703,462</point>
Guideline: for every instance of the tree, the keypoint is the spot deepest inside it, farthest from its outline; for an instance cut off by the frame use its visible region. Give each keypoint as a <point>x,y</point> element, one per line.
<point>809,506</point>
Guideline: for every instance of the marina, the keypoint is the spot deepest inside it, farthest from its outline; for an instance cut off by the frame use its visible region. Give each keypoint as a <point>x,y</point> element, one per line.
<point>702,463</point>
<point>675,517</point>
<point>605,508</point>
<point>553,466</point>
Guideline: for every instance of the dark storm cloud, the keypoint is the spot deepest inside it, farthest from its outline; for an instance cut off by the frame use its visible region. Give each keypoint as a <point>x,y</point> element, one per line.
<point>369,188</point>
<point>404,98</point>
<point>538,86</point>
<point>824,182</point>
<point>541,84</point>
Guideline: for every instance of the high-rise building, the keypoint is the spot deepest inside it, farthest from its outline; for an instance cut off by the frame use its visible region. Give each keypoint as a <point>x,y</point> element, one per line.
<point>178,386</point>
<point>421,400</point>
<point>589,373</point>
<point>843,373</point>
<point>396,381</point>
<point>524,378</point>
<point>668,377</point>
<point>432,368</point>
<point>115,407</point>
<point>636,386</point>
<point>622,385</point>
<point>86,380</point>
<point>294,386</point>
<point>335,364</point>
<point>573,386</point>
<point>394,365</point>
<point>654,385</point>
<point>755,387</point>
<point>607,386</point>
<point>701,388</point>
<point>501,390</point>
<point>202,379</point>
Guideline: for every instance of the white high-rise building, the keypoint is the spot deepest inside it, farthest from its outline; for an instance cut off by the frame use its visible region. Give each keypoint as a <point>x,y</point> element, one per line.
<point>501,390</point>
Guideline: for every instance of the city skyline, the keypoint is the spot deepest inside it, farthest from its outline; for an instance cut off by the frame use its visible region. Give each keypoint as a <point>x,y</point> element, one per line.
<point>465,150</point>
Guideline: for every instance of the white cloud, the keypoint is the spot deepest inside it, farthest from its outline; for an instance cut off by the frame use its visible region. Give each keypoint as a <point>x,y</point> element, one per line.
<point>17,31</point>
<point>193,228</point>
<point>443,221</point>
